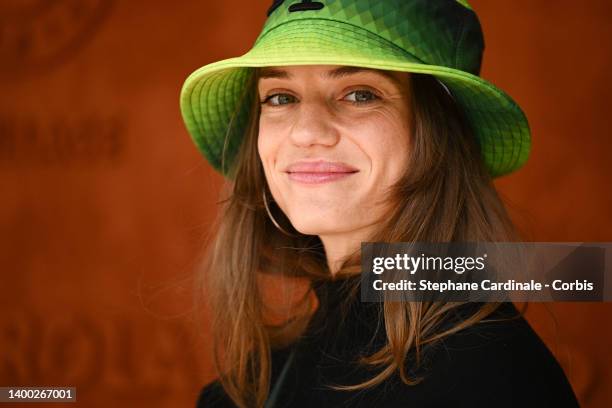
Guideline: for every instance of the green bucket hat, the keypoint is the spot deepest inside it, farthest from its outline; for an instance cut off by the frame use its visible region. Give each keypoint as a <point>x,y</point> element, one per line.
<point>442,38</point>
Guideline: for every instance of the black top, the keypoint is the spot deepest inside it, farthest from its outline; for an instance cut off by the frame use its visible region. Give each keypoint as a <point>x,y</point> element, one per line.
<point>490,364</point>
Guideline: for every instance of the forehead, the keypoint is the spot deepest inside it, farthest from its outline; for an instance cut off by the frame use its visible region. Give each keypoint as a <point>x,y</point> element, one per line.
<point>329,72</point>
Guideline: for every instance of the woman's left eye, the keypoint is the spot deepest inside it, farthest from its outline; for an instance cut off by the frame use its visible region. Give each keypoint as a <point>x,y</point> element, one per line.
<point>361,96</point>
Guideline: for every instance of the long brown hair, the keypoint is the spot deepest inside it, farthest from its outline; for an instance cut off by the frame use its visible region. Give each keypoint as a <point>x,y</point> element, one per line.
<point>445,195</point>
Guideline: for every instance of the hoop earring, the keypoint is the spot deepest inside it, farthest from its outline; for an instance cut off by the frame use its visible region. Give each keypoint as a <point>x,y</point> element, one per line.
<point>281,229</point>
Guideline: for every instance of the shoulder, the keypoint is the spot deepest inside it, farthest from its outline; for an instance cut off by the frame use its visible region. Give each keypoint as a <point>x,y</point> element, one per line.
<point>495,363</point>
<point>212,395</point>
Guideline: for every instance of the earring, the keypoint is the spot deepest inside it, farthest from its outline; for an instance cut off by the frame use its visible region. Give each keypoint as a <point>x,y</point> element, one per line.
<point>281,229</point>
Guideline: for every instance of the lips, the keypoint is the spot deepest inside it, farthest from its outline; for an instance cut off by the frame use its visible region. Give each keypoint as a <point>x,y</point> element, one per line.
<point>320,171</point>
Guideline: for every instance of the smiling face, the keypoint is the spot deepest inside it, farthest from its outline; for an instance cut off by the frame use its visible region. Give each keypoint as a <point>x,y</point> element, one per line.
<point>332,140</point>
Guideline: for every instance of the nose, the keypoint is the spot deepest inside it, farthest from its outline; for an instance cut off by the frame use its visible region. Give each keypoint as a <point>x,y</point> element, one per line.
<point>314,125</point>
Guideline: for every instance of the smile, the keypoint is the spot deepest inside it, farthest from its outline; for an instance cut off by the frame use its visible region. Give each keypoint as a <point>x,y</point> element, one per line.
<point>319,172</point>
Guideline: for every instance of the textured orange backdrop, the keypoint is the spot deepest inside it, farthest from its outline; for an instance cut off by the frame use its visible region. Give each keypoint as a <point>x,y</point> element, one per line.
<point>105,202</point>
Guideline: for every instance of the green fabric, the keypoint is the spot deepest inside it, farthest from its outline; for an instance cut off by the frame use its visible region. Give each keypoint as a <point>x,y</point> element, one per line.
<point>442,38</point>
<point>465,3</point>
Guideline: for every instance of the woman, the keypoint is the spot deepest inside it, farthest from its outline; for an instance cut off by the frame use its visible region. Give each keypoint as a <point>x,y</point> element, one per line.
<point>352,121</point>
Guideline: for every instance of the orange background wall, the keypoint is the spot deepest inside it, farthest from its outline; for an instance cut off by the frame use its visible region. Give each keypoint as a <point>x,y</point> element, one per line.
<point>105,201</point>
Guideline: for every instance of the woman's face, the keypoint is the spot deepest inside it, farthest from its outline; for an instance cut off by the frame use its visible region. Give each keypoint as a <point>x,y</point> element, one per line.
<point>332,140</point>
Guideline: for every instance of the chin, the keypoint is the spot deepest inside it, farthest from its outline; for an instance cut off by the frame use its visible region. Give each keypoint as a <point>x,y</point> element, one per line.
<point>315,226</point>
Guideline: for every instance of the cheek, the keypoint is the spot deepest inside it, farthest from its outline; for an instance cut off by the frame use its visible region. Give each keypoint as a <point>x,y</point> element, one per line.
<point>384,138</point>
<point>267,146</point>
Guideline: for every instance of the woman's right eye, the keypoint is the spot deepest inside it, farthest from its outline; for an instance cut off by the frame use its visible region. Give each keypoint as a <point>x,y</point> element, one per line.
<point>279,99</point>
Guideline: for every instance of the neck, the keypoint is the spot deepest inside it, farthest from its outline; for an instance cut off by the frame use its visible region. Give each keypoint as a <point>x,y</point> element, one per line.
<point>340,246</point>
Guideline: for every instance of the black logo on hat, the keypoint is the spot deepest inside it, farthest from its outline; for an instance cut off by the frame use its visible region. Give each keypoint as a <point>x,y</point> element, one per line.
<point>304,5</point>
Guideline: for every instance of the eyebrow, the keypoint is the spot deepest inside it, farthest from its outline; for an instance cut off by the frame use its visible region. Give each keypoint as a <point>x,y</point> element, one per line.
<point>340,72</point>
